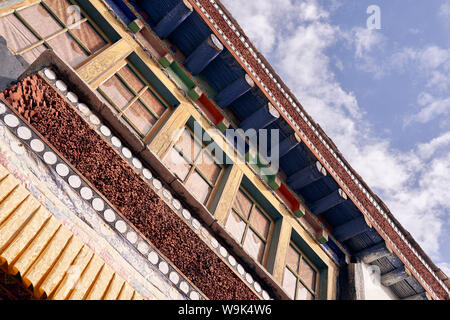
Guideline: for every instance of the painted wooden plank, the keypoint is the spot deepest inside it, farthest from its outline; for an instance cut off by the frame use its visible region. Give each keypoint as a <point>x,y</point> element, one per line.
<point>172,19</point>
<point>419,296</point>
<point>333,199</point>
<point>350,229</point>
<point>393,277</point>
<point>306,176</point>
<point>373,253</point>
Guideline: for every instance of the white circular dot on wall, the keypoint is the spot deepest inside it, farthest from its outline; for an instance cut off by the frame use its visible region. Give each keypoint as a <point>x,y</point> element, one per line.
<point>109,215</point>
<point>136,163</point>
<point>174,277</point>
<point>50,157</point>
<point>223,252</point>
<point>86,193</point>
<point>232,260</point>
<point>11,120</point>
<point>195,224</point>
<point>126,152</point>
<point>157,184</point>
<point>75,181</point>
<point>50,74</point>
<point>121,226</point>
<point>116,142</point>
<point>72,97</point>
<point>214,243</point>
<point>105,131</point>
<point>94,120</point>
<point>163,267</point>
<point>61,85</point>
<point>147,174</point>
<point>37,145</point>
<point>62,169</point>
<point>184,287</point>
<point>194,295</point>
<point>2,108</point>
<point>84,109</point>
<point>186,214</point>
<point>24,133</point>
<point>249,278</point>
<point>132,237</point>
<point>142,247</point>
<point>98,204</point>
<point>153,257</point>
<point>240,269</point>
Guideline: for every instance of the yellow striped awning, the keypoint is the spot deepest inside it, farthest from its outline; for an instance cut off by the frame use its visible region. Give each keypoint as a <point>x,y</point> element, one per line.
<point>46,256</point>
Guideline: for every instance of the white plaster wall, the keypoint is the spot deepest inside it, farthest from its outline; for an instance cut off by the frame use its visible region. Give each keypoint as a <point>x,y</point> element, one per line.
<point>369,285</point>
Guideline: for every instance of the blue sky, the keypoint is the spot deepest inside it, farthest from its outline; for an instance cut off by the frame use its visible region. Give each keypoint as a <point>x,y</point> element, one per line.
<point>382,95</point>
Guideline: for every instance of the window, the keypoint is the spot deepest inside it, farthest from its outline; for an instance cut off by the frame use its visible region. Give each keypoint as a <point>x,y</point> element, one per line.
<point>52,24</point>
<point>194,164</point>
<point>133,98</point>
<point>300,278</point>
<point>250,225</point>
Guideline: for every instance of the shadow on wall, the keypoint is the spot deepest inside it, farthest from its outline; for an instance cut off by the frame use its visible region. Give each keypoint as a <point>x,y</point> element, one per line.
<point>11,66</point>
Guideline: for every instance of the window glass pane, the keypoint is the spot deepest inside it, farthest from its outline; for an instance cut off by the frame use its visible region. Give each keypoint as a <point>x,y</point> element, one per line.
<point>140,117</point>
<point>292,258</point>
<point>33,54</point>
<point>289,282</point>
<point>176,163</point>
<point>188,146</point>
<point>207,166</point>
<point>153,103</point>
<point>117,92</point>
<point>242,204</point>
<point>67,48</point>
<point>88,37</point>
<point>259,222</point>
<point>17,35</point>
<point>254,245</point>
<point>303,293</point>
<point>131,79</point>
<point>307,274</point>
<point>40,20</point>
<point>235,226</point>
<point>198,187</point>
<point>67,13</point>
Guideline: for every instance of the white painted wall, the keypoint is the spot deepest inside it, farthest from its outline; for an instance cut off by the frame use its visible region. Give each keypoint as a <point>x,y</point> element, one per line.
<point>369,287</point>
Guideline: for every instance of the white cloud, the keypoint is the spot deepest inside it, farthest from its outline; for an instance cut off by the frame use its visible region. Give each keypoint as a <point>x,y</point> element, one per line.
<point>427,150</point>
<point>432,108</point>
<point>445,267</point>
<point>444,9</point>
<point>297,41</point>
<point>365,40</point>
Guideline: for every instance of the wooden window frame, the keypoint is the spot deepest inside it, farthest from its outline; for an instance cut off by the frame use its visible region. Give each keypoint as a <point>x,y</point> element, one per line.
<point>296,273</point>
<point>272,221</point>
<point>65,29</point>
<point>137,97</point>
<point>194,167</point>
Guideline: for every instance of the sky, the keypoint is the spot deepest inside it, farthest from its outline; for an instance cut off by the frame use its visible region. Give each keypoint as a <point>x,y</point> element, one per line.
<point>382,94</point>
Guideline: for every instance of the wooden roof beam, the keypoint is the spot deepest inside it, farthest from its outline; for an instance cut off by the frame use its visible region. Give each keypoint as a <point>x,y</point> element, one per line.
<point>172,19</point>
<point>202,56</point>
<point>306,176</point>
